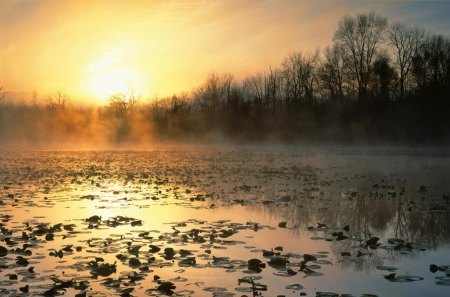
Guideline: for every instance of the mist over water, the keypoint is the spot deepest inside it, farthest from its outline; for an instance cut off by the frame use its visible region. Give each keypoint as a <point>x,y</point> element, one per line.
<point>324,176</point>
<point>379,83</point>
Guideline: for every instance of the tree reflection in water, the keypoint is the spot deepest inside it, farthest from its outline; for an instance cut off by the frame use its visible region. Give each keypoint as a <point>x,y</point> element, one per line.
<point>422,221</point>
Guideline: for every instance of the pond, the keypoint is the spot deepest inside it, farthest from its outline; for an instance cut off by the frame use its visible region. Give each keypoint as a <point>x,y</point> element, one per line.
<point>231,221</point>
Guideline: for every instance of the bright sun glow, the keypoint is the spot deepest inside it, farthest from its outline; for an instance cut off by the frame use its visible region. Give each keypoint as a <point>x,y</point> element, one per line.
<point>110,75</point>
<point>105,83</point>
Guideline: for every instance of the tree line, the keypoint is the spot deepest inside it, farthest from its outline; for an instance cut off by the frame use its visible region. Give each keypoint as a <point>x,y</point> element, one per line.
<point>377,83</point>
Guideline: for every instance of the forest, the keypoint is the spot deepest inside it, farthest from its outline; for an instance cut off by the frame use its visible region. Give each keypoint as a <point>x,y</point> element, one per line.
<point>378,83</point>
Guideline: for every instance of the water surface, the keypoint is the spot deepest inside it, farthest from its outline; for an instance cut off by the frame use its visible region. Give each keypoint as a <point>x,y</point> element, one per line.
<point>190,220</point>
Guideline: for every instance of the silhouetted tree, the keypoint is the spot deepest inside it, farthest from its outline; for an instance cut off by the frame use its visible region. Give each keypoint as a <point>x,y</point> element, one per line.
<point>58,101</point>
<point>272,88</point>
<point>307,98</point>
<point>34,100</point>
<point>431,66</point>
<point>124,103</point>
<point>121,114</point>
<point>384,78</point>
<point>255,89</point>
<point>211,93</point>
<point>407,42</point>
<point>331,72</point>
<point>2,93</point>
<point>359,38</point>
<point>299,76</point>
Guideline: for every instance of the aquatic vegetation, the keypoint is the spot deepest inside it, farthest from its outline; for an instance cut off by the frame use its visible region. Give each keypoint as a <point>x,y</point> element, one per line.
<point>222,223</point>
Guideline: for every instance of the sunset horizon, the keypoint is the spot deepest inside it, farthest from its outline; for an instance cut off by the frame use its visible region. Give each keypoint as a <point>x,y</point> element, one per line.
<point>92,51</point>
<point>224,148</point>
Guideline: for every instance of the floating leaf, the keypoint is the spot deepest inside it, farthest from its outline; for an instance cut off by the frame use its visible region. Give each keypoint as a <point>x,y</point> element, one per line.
<point>388,268</point>
<point>294,287</point>
<point>402,278</point>
<point>3,251</point>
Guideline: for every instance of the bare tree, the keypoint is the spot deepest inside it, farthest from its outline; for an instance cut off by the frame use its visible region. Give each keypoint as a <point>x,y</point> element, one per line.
<point>359,38</point>
<point>254,88</point>
<point>272,85</point>
<point>407,41</point>
<point>431,66</point>
<point>34,100</point>
<point>2,93</point>
<point>299,75</point>
<point>215,92</point>
<point>384,78</point>
<point>331,72</point>
<point>228,84</point>
<point>123,103</point>
<point>58,101</point>
<point>263,88</point>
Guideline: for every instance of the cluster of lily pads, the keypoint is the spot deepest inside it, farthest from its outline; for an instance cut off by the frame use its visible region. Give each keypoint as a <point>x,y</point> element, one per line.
<point>100,255</point>
<point>142,255</point>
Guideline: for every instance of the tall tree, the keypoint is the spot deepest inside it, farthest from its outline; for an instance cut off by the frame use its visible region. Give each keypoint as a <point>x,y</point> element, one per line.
<point>299,75</point>
<point>407,42</point>
<point>254,88</point>
<point>122,104</point>
<point>431,66</point>
<point>359,38</point>
<point>331,72</point>
<point>272,86</point>
<point>384,78</point>
<point>58,101</point>
<point>2,93</point>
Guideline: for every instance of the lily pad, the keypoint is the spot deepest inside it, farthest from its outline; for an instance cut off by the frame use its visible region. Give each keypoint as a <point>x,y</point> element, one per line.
<point>278,261</point>
<point>402,278</point>
<point>3,251</point>
<point>442,280</point>
<point>327,294</point>
<point>387,268</point>
<point>215,289</point>
<point>294,287</point>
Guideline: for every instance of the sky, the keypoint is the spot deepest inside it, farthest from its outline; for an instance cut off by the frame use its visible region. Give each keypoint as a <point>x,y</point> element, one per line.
<point>93,49</point>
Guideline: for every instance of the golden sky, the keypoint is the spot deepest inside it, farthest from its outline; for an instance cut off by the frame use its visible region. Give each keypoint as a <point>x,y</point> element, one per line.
<point>92,49</point>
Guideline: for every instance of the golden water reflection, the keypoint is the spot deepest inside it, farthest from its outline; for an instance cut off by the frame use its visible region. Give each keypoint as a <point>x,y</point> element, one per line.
<point>217,210</point>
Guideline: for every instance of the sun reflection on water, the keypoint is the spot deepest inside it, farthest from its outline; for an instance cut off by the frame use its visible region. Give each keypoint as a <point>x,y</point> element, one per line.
<point>224,217</point>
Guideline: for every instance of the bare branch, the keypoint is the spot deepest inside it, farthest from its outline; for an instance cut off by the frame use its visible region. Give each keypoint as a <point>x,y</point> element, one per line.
<point>407,42</point>
<point>359,38</point>
<point>58,101</point>
<point>2,93</point>
<point>124,103</point>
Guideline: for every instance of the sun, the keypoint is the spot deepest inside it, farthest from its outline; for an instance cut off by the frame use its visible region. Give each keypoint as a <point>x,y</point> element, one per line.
<point>105,83</point>
<point>109,75</point>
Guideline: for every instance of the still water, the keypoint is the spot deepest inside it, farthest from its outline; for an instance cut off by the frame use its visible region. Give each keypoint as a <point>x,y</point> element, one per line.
<point>225,222</point>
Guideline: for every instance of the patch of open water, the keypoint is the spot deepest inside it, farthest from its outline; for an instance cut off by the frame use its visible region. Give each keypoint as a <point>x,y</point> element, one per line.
<point>221,222</point>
